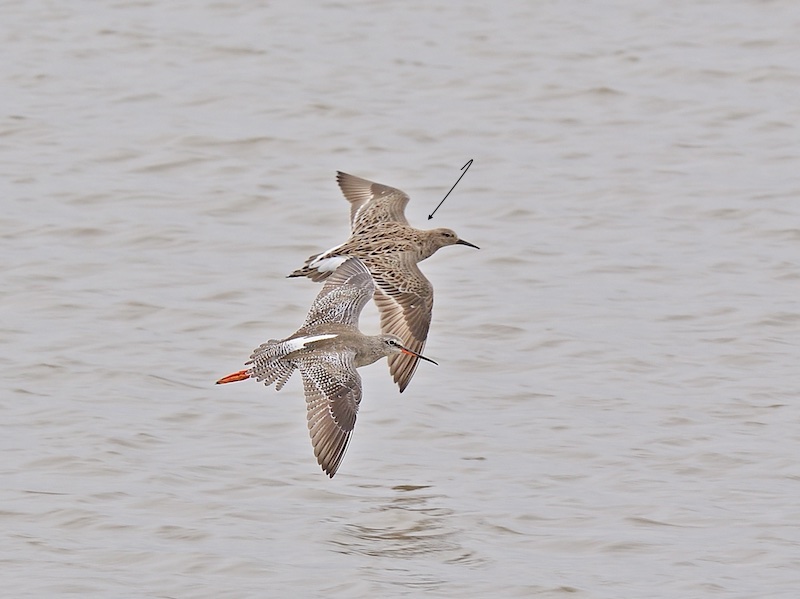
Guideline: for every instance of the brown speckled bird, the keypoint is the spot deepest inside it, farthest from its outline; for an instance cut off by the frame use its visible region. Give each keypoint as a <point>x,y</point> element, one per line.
<point>326,350</point>
<point>390,248</point>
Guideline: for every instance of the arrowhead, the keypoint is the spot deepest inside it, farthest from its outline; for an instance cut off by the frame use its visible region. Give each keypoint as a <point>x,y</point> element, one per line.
<point>430,216</point>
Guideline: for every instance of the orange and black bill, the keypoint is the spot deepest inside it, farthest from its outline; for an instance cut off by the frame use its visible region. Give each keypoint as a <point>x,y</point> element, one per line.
<point>413,353</point>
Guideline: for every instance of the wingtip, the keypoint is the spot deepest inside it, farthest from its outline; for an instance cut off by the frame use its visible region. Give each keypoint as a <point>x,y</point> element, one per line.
<point>329,469</point>
<point>402,380</point>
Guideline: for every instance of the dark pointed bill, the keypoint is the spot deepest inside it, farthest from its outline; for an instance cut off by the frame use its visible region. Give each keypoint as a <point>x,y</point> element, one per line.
<point>472,245</point>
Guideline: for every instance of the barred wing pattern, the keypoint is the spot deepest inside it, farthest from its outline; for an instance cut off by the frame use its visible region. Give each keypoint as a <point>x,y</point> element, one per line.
<point>333,393</point>
<point>268,366</point>
<point>344,295</point>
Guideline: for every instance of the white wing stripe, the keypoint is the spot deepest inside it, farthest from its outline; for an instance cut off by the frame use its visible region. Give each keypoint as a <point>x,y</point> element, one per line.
<point>330,264</point>
<point>301,342</point>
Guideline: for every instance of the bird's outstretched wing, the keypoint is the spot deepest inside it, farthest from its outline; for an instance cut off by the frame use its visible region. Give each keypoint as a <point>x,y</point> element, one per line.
<point>372,202</point>
<point>405,306</point>
<point>333,393</point>
<point>344,295</point>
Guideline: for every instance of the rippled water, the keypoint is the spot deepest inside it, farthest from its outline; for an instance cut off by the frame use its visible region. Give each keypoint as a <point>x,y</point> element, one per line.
<point>615,413</point>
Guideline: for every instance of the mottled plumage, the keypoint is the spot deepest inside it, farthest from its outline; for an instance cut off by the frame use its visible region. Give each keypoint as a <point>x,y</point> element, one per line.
<point>327,350</point>
<point>390,248</point>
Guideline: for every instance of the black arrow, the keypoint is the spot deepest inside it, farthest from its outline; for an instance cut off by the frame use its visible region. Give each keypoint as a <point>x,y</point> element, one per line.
<point>464,168</point>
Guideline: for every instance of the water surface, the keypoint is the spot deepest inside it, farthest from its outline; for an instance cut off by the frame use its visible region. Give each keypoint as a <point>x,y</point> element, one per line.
<point>615,413</point>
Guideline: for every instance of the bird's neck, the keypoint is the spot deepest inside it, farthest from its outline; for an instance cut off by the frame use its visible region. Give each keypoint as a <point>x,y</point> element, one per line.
<point>370,352</point>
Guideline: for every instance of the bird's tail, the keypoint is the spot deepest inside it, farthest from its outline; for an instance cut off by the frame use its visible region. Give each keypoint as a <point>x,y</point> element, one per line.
<point>267,364</point>
<point>313,272</point>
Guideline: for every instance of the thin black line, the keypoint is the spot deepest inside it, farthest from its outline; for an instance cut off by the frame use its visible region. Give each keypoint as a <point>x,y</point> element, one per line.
<point>464,168</point>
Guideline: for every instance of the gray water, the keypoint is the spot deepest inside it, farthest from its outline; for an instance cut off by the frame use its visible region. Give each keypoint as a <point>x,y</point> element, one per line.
<point>615,413</point>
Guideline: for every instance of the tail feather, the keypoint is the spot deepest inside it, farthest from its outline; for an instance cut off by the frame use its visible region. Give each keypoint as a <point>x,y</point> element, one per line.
<point>267,364</point>
<point>319,266</point>
<point>311,273</point>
